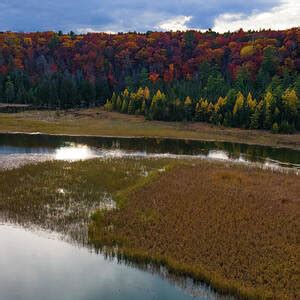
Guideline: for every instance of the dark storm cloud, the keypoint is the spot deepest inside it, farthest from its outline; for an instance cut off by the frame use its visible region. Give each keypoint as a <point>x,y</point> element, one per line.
<point>110,15</point>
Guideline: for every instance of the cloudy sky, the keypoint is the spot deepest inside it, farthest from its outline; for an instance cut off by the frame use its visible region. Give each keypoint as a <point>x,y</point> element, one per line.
<point>141,15</point>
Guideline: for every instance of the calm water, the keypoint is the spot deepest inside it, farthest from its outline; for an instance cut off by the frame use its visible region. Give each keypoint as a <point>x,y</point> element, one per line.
<point>40,147</point>
<point>37,265</point>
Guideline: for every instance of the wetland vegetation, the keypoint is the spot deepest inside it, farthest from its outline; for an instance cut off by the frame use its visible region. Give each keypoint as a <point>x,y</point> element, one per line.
<point>60,195</point>
<point>232,226</point>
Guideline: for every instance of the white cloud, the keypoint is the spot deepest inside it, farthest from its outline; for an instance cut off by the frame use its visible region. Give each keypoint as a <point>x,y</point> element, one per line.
<point>178,23</point>
<point>174,24</point>
<point>283,16</point>
<point>85,30</point>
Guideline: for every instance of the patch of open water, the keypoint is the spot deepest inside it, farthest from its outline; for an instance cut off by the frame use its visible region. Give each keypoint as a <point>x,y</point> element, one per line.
<point>19,149</point>
<point>38,265</point>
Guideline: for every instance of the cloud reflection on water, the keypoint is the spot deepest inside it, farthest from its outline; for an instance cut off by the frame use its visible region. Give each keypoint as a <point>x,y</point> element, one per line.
<point>73,151</point>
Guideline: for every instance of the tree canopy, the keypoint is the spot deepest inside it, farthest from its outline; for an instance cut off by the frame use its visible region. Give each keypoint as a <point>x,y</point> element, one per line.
<point>244,79</point>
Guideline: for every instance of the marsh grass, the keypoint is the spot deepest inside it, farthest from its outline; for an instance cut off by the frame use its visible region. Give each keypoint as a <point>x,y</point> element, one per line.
<point>61,196</point>
<point>234,227</point>
<point>231,226</point>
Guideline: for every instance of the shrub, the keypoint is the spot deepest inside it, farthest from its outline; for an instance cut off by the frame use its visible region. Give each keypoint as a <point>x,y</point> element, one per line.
<point>275,128</point>
<point>285,127</point>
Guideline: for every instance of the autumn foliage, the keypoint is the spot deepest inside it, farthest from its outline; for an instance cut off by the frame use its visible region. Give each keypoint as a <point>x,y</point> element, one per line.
<point>52,69</point>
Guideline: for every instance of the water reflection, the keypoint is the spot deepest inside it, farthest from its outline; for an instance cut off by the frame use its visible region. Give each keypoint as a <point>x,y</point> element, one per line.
<point>74,152</point>
<point>218,154</point>
<point>38,266</point>
<point>74,148</point>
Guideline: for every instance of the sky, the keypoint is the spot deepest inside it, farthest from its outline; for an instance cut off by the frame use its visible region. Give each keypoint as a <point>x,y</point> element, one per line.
<point>113,16</point>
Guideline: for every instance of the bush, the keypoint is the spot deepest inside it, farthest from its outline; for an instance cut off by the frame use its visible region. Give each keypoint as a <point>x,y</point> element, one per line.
<point>275,128</point>
<point>285,127</point>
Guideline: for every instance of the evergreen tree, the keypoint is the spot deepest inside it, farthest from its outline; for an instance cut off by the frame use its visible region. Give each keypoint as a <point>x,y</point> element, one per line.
<point>157,108</point>
<point>130,108</point>
<point>270,61</point>
<point>108,106</point>
<point>297,86</point>
<point>243,81</point>
<point>119,104</point>
<point>2,96</point>
<point>124,108</point>
<point>143,78</point>
<point>238,109</point>
<point>88,92</point>
<point>9,91</point>
<point>144,108</point>
<point>290,103</point>
<point>268,104</point>
<point>251,103</point>
<point>130,83</point>
<point>188,108</point>
<point>216,87</point>
<point>113,101</point>
<point>256,117</point>
<point>231,97</point>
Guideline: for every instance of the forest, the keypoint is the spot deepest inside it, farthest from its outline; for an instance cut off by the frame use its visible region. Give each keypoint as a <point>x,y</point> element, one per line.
<point>240,79</point>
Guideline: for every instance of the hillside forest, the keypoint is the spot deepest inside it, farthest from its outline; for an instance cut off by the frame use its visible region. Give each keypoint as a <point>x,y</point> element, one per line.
<point>240,79</point>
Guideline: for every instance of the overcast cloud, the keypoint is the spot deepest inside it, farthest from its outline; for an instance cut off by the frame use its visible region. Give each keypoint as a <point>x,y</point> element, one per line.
<point>143,15</point>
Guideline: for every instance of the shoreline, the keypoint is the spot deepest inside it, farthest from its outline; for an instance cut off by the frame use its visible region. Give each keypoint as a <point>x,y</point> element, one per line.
<point>99,123</point>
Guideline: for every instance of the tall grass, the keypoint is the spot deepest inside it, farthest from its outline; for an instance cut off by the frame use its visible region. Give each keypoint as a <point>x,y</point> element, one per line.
<point>61,195</point>
<point>236,228</point>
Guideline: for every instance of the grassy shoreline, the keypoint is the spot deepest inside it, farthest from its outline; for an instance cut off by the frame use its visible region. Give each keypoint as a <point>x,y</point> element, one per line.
<point>96,122</point>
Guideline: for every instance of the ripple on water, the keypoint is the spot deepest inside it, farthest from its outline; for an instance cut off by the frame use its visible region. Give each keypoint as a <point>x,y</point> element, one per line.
<point>12,161</point>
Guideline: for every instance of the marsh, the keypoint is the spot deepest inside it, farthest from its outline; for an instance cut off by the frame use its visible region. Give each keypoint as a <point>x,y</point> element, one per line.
<point>116,198</point>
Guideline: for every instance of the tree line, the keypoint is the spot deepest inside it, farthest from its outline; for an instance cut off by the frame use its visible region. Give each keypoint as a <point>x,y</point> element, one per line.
<point>244,79</point>
<point>278,111</point>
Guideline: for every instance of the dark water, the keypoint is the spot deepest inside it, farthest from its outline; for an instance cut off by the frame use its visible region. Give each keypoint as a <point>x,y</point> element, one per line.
<point>72,148</point>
